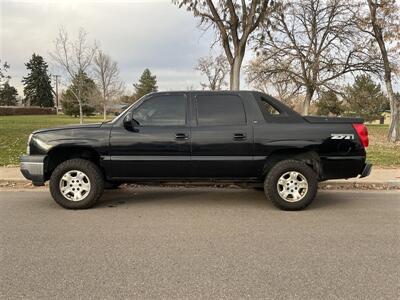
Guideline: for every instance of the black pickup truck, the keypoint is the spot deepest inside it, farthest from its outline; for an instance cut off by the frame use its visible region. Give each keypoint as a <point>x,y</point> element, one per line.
<point>241,137</point>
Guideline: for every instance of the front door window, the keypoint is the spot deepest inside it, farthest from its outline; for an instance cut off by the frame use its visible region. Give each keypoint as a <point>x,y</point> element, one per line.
<point>164,110</point>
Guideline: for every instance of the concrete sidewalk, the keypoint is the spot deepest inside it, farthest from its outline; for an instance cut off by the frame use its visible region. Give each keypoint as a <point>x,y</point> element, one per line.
<point>379,179</point>
<point>11,174</point>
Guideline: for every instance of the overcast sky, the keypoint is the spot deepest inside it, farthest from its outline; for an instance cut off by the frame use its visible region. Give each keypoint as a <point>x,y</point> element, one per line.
<point>138,34</point>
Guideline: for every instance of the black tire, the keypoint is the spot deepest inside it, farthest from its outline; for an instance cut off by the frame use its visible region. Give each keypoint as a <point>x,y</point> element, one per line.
<point>108,185</point>
<point>278,170</point>
<point>90,170</point>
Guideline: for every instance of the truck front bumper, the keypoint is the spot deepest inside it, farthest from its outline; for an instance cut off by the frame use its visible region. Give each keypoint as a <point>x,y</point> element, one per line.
<point>32,167</point>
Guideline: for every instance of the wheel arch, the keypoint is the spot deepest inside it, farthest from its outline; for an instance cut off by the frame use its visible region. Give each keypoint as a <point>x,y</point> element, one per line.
<point>309,157</point>
<point>58,155</point>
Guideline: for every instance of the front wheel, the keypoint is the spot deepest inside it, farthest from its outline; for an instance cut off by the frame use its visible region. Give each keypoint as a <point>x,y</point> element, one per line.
<point>76,184</point>
<point>291,185</point>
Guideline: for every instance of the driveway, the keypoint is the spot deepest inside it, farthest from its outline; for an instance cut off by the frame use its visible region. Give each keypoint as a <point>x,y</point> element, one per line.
<point>200,243</point>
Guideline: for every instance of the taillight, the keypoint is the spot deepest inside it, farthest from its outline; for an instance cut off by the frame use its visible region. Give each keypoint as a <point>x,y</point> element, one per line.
<point>362,133</point>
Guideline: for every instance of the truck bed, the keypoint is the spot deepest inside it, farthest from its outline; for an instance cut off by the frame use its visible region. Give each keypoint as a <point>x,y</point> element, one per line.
<point>323,120</point>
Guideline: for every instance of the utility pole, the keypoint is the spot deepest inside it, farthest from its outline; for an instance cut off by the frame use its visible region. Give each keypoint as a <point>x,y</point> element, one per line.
<point>56,77</point>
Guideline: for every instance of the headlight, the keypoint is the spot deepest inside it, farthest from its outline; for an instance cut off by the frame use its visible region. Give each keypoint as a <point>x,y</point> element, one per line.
<point>28,148</point>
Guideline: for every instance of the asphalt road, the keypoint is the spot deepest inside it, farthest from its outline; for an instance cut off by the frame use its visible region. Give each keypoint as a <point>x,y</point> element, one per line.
<point>176,243</point>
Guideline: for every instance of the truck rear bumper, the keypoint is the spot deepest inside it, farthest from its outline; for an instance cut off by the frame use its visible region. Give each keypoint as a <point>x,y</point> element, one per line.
<point>366,171</point>
<point>342,167</point>
<point>32,167</point>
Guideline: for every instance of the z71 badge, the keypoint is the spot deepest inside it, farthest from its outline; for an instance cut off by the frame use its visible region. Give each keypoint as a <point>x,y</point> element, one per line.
<point>342,136</point>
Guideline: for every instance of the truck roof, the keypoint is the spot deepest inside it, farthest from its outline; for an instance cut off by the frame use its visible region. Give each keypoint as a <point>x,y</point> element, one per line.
<point>257,94</point>
<point>205,91</point>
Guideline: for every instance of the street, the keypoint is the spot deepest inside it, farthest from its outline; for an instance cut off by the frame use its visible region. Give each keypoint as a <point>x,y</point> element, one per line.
<point>177,242</point>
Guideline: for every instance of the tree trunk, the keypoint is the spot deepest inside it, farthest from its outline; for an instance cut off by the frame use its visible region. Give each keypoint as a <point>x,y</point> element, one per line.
<point>393,134</point>
<point>80,112</point>
<point>104,112</point>
<point>394,128</point>
<point>307,101</point>
<point>235,73</point>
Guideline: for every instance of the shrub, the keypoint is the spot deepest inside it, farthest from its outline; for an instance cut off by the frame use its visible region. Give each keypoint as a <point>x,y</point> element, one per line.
<point>33,110</point>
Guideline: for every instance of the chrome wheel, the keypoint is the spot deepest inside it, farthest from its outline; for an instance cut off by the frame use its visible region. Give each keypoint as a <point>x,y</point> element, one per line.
<point>292,186</point>
<point>75,185</point>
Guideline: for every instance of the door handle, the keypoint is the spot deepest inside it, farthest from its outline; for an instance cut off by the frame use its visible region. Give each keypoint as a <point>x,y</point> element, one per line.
<point>181,136</point>
<point>239,136</point>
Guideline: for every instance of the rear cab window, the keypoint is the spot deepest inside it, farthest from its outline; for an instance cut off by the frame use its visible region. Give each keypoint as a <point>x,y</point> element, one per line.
<point>220,109</point>
<point>267,109</point>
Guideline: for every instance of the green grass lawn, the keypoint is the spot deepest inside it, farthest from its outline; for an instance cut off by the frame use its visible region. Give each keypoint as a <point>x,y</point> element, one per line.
<point>380,152</point>
<point>14,132</point>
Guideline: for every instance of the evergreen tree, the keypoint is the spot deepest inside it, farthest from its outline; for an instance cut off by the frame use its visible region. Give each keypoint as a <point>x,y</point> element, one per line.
<point>68,100</point>
<point>365,99</point>
<point>37,85</point>
<point>329,104</point>
<point>147,84</point>
<point>8,95</point>
<point>127,99</point>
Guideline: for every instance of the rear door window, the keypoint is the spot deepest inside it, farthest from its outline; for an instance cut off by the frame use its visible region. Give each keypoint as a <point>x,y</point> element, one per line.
<point>220,110</point>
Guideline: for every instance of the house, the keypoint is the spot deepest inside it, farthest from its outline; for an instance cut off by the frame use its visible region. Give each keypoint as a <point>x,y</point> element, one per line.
<point>384,119</point>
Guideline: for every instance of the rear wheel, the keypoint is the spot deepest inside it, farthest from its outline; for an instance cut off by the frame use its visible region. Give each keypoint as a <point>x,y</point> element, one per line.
<point>76,184</point>
<point>291,185</point>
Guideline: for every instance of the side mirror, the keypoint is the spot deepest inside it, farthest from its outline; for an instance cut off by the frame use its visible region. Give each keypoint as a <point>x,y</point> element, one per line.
<point>128,120</point>
<point>130,123</point>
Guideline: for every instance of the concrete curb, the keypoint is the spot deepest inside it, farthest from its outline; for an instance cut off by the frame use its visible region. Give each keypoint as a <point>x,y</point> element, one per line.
<point>339,185</point>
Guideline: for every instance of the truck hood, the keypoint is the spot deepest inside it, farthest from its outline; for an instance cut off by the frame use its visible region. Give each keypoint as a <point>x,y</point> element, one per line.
<point>77,126</point>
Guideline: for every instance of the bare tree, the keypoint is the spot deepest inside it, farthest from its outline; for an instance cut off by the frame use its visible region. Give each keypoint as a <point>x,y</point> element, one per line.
<point>381,21</point>
<point>107,78</point>
<point>215,69</point>
<point>75,58</point>
<point>277,84</point>
<point>315,42</point>
<point>235,21</point>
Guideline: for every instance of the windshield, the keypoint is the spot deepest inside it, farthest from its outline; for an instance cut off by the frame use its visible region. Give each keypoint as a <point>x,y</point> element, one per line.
<point>125,110</point>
